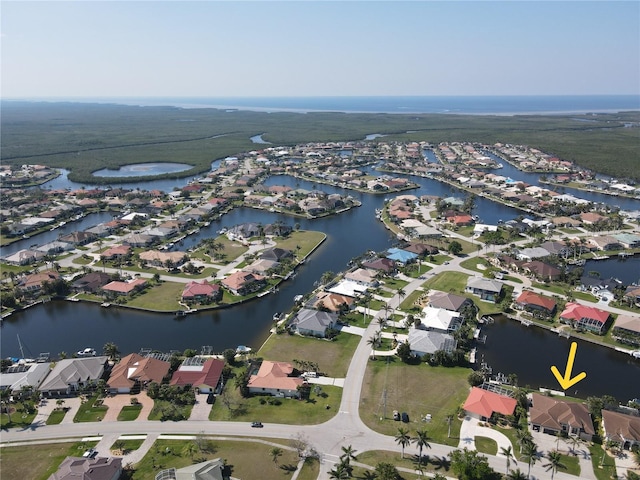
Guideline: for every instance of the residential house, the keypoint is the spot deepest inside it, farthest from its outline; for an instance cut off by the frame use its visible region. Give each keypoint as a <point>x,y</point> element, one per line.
<point>542,271</point>
<point>91,282</point>
<point>632,294</point>
<point>54,247</point>
<point>556,248</point>
<point>449,301</point>
<point>626,329</point>
<point>201,292</point>
<point>440,320</point>
<point>116,251</point>
<point>333,302</point>
<point>80,468</point>
<point>385,265</point>
<point>244,231</point>
<point>313,322</point>
<point>605,242</point>
<point>78,238</point>
<point>529,254</point>
<point>483,404</point>
<point>134,372</point>
<point>205,375</point>
<point>622,429</point>
<point>33,283</point>
<point>554,416</point>
<point>243,283</point>
<point>628,240</point>
<point>401,256</point>
<point>19,375</point>
<point>207,470</point>
<point>276,254</point>
<point>485,288</point>
<point>534,302</point>
<point>71,374</point>
<point>363,276</point>
<point>124,288</point>
<point>423,342</point>
<point>275,379</point>
<point>140,239</point>
<point>24,257</point>
<point>161,259</point>
<point>584,317</point>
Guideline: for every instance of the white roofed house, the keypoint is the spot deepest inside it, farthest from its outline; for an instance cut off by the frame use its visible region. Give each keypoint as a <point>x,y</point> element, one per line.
<point>440,320</point>
<point>28,375</point>
<point>71,374</point>
<point>485,288</point>
<point>423,342</point>
<point>363,276</point>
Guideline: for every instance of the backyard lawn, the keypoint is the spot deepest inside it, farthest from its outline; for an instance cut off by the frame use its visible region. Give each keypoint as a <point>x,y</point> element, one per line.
<point>163,297</point>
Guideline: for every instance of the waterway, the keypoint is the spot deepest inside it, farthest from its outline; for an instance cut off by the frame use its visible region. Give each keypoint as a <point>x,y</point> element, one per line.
<point>142,169</point>
<point>70,326</point>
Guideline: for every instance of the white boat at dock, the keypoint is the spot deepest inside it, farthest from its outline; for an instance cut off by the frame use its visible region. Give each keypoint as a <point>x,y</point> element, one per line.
<point>635,354</point>
<point>242,349</point>
<point>87,352</point>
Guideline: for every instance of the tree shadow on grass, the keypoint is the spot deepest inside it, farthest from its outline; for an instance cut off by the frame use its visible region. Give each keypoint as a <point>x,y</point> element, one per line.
<point>288,467</point>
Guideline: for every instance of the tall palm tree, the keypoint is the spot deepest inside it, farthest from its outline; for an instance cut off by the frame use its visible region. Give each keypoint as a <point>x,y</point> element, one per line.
<point>340,472</point>
<point>555,462</point>
<point>530,452</point>
<point>275,452</point>
<point>403,439</point>
<point>374,341</point>
<point>401,294</point>
<point>348,454</point>
<point>111,350</point>
<point>516,474</point>
<point>523,437</point>
<point>507,452</point>
<point>422,441</point>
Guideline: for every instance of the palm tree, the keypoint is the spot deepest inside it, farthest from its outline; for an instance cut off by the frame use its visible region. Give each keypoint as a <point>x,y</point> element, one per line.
<point>275,452</point>
<point>422,441</point>
<point>339,473</point>
<point>110,349</point>
<point>190,449</point>
<point>555,462</point>
<point>374,341</point>
<point>403,439</point>
<point>636,456</point>
<point>507,452</point>
<point>401,294</point>
<point>530,452</point>
<point>523,437</point>
<point>516,475</point>
<point>348,454</point>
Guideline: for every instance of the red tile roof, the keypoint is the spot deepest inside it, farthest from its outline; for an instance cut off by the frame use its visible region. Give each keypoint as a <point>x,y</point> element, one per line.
<point>207,376</point>
<point>576,311</point>
<point>532,298</point>
<point>484,403</point>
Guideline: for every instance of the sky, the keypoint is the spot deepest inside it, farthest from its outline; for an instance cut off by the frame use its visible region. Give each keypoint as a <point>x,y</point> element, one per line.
<point>327,48</point>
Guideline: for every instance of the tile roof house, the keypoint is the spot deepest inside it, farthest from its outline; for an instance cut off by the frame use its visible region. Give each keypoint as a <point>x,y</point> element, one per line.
<point>71,374</point>
<point>383,264</point>
<point>550,415</point>
<point>621,428</point>
<point>582,316</point>
<point>135,372</point>
<point>275,378</point>
<point>203,375</point>
<point>208,470</point>
<point>124,288</point>
<point>400,256</point>
<point>542,271</point>
<point>18,376</point>
<point>34,282</point>
<point>201,292</point>
<point>363,276</point>
<point>98,468</point>
<point>483,404</point>
<point>485,288</point>
<point>242,283</point>
<point>627,329</point>
<point>333,302</point>
<point>313,322</point>
<point>532,301</point>
<point>448,301</point>
<point>423,342</point>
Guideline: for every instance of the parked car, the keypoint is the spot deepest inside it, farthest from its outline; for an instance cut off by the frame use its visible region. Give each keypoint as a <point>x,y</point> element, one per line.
<point>256,425</point>
<point>211,399</point>
<point>405,417</point>
<point>396,415</point>
<point>91,453</point>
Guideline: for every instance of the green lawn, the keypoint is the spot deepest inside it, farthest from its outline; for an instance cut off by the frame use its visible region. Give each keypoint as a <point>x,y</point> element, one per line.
<point>38,462</point>
<point>19,417</point>
<point>454,282</point>
<point>417,390</point>
<point>163,297</point>
<point>333,357</point>
<point>56,417</point>
<point>90,413</point>
<point>129,413</point>
<point>486,445</point>
<point>430,463</point>
<point>161,405</point>
<point>604,466</point>
<point>307,240</point>
<point>310,469</point>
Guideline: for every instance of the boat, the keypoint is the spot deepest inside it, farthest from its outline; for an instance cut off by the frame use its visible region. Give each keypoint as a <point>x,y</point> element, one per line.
<point>277,316</point>
<point>105,305</point>
<point>242,349</point>
<point>635,354</point>
<point>87,352</point>
<point>180,313</point>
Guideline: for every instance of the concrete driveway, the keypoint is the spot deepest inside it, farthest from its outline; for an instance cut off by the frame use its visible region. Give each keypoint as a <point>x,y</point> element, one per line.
<point>201,409</point>
<point>116,402</point>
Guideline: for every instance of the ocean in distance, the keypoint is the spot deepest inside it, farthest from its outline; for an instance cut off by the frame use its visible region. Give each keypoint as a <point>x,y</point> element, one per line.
<point>463,105</point>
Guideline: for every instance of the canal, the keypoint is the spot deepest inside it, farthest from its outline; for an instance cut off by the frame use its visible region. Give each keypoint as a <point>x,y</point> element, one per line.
<point>70,326</point>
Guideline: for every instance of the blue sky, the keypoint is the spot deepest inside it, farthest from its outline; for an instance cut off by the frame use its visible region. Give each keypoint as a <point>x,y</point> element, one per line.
<point>305,48</point>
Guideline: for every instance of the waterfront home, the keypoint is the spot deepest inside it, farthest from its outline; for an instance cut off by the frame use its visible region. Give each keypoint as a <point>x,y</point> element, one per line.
<point>542,271</point>
<point>400,256</point>
<point>598,285</point>
<point>483,404</point>
<point>275,379</point>
<point>422,249</point>
<point>626,329</point>
<point>605,242</point>
<point>486,289</point>
<point>628,240</point>
<point>78,238</point>
<point>124,288</point>
<point>159,258</point>
<point>439,320</point>
<point>584,317</point>
<point>100,230</point>
<point>24,257</point>
<point>591,218</point>
<point>534,302</point>
<point>244,231</point>
<point>313,322</point>
<point>556,248</point>
<point>449,301</point>
<point>139,240</point>
<point>262,267</point>
<point>423,342</point>
<point>566,222</point>
<point>19,376</point>
<point>207,470</point>
<point>461,220</point>
<point>333,302</point>
<point>85,468</point>
<point>363,276</point>
<point>621,429</point>
<point>243,283</point>
<point>201,292</point>
<point>204,375</point>
<point>348,288</point>
<point>34,282</point>
<point>116,251</point>
<point>385,265</point>
<point>134,372</point>
<point>632,294</point>
<point>72,374</point>
<point>54,247</point>
<point>553,416</point>
<point>529,254</point>
<point>91,282</point>
<point>276,254</point>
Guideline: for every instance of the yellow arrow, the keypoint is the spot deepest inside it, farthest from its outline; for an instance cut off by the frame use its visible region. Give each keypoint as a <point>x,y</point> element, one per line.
<point>566,381</point>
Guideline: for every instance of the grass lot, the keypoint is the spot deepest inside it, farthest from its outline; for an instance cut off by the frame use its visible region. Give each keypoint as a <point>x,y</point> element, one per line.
<point>333,357</point>
<point>430,463</point>
<point>475,263</point>
<point>235,453</point>
<point>486,445</point>
<point>572,465</point>
<point>129,413</point>
<point>310,469</point>
<point>162,297</point>
<point>90,413</point>
<point>604,466</point>
<point>37,462</point>
<point>231,249</point>
<point>454,282</point>
<point>127,445</point>
<point>159,405</point>
<point>19,418</point>
<point>307,240</point>
<point>56,416</point>
<point>417,390</point>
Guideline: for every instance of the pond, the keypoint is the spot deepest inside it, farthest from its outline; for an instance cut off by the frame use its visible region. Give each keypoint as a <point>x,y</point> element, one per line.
<point>143,169</point>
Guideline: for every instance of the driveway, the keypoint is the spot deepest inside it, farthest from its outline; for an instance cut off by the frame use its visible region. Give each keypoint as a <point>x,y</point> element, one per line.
<point>116,402</point>
<point>201,409</point>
